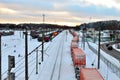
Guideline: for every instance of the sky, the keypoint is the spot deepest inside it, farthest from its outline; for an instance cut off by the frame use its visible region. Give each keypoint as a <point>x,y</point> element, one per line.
<point>63,12</point>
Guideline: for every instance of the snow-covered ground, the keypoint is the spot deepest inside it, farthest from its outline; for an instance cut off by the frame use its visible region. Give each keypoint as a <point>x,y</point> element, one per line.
<point>14,45</point>
<point>92,61</point>
<point>104,70</point>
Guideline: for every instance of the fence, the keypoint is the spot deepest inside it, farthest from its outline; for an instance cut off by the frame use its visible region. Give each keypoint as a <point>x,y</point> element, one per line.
<point>115,69</point>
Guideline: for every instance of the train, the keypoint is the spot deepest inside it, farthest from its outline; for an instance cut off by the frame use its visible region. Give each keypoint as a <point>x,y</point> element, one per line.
<point>6,33</point>
<point>90,74</point>
<point>48,36</point>
<point>79,61</point>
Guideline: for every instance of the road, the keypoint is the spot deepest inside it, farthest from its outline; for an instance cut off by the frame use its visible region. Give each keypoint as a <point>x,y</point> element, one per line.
<point>113,52</point>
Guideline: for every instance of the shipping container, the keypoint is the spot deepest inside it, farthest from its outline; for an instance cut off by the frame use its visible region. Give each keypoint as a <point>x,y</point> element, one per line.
<point>55,34</point>
<point>90,74</point>
<point>74,44</point>
<point>74,34</point>
<point>75,39</point>
<point>47,38</point>
<point>79,57</point>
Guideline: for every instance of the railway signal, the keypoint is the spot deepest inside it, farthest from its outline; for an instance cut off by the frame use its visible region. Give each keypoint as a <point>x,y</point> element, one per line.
<point>12,76</point>
<point>11,61</point>
<point>11,64</point>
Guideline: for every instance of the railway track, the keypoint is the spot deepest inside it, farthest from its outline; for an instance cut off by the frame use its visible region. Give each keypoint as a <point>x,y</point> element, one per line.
<point>57,65</point>
<point>113,52</point>
<point>53,64</point>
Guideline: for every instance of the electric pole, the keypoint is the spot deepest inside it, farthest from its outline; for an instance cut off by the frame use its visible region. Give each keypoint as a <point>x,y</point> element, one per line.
<point>26,55</point>
<point>84,36</point>
<point>37,61</point>
<point>0,60</point>
<point>99,47</point>
<point>43,18</point>
<point>43,39</point>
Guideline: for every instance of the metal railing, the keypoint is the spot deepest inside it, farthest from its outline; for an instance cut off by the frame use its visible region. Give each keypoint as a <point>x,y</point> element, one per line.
<point>114,68</point>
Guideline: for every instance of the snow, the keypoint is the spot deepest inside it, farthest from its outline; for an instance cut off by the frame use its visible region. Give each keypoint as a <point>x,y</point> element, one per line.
<point>54,51</point>
<point>93,59</point>
<point>116,48</point>
<point>67,70</point>
<point>45,68</point>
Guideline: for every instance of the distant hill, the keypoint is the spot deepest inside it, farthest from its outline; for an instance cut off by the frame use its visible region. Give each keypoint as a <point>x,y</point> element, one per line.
<point>32,26</point>
<point>103,25</point>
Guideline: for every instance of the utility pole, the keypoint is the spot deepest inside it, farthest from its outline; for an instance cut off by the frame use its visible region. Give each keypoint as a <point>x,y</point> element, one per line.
<point>42,46</point>
<point>99,47</point>
<point>83,40</point>
<point>84,36</point>
<point>43,39</point>
<point>9,69</point>
<point>43,18</point>
<point>26,55</point>
<point>0,60</point>
<point>37,61</point>
<point>66,35</point>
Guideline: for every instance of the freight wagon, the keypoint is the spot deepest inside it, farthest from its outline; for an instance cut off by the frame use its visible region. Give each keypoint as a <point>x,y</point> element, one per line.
<point>79,57</point>
<point>74,45</point>
<point>90,74</point>
<point>79,60</point>
<point>75,39</point>
<point>55,33</point>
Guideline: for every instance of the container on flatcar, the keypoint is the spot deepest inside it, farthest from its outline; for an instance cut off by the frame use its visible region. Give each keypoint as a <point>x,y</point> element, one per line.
<point>75,39</point>
<point>79,58</point>
<point>35,36</point>
<point>55,34</point>
<point>74,45</point>
<point>40,38</point>
<point>90,74</point>
<point>47,38</point>
<point>74,34</point>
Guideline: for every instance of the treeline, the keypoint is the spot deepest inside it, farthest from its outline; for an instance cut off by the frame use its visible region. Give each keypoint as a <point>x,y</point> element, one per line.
<point>33,26</point>
<point>103,25</point>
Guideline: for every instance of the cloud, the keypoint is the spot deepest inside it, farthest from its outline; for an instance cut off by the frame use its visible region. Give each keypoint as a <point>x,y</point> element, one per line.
<point>117,1</point>
<point>104,3</point>
<point>59,11</point>
<point>7,11</point>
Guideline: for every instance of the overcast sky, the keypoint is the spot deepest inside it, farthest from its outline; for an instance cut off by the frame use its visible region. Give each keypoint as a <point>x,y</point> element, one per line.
<point>65,12</point>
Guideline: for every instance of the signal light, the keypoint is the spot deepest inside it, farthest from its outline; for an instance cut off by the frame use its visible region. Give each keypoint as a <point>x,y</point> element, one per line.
<point>11,61</point>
